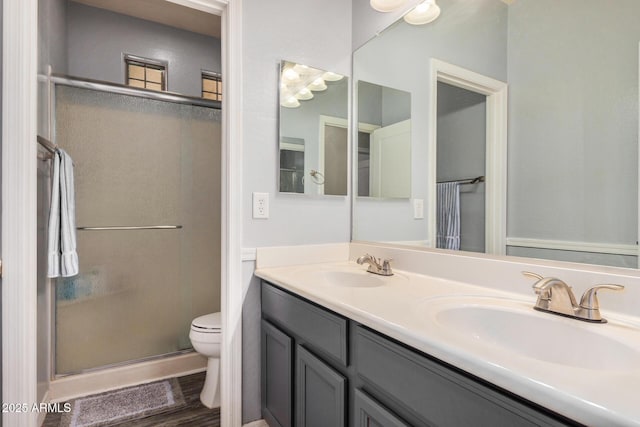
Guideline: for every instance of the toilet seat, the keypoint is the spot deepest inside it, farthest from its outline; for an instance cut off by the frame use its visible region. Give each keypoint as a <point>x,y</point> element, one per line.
<point>209,323</point>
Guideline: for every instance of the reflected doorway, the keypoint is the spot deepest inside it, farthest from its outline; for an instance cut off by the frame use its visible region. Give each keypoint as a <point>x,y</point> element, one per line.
<point>461,150</point>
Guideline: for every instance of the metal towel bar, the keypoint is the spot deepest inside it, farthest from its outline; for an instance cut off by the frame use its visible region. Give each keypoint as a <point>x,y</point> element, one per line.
<point>142,227</point>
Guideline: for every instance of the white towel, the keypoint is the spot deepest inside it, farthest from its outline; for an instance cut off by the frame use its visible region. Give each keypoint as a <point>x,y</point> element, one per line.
<point>63,258</point>
<point>448,216</point>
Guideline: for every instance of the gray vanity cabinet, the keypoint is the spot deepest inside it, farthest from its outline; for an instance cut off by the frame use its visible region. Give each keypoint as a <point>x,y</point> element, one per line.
<point>345,374</point>
<point>316,339</point>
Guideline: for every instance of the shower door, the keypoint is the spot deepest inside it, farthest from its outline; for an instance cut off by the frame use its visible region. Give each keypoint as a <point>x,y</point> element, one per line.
<point>147,181</point>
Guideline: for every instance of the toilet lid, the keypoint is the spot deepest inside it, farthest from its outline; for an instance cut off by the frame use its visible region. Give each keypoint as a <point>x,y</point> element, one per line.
<point>209,322</point>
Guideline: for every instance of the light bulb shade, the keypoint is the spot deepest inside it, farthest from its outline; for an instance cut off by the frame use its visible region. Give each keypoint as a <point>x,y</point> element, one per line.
<point>386,5</point>
<point>332,77</point>
<point>318,85</point>
<point>290,102</point>
<point>425,12</point>
<point>290,75</point>
<point>304,94</point>
<point>302,69</point>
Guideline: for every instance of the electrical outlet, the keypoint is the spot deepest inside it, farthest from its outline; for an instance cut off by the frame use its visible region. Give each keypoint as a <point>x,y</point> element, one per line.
<point>261,205</point>
<point>418,209</point>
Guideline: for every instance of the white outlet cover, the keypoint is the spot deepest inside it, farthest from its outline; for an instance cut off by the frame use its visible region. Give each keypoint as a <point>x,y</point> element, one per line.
<point>260,205</point>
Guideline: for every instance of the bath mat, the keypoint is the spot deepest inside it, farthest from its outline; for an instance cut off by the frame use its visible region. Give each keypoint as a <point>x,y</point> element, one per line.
<point>129,403</point>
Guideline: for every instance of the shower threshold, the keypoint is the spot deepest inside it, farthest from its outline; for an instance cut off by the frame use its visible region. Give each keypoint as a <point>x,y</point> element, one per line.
<point>97,380</point>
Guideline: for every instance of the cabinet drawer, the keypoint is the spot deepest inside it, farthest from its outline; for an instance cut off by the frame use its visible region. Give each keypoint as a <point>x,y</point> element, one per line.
<point>324,331</point>
<point>433,393</point>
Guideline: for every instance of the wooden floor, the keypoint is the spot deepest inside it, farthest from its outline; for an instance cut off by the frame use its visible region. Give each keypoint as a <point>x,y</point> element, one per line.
<point>192,413</point>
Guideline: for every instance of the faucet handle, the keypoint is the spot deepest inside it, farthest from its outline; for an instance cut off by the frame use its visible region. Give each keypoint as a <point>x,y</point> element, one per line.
<point>539,286</point>
<point>533,275</point>
<point>589,300</point>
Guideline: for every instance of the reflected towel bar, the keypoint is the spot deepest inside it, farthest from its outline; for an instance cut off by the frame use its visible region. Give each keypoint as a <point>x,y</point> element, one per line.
<point>465,181</point>
<point>142,227</point>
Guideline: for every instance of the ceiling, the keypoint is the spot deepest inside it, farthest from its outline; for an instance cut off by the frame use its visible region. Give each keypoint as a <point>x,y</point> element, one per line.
<point>163,12</point>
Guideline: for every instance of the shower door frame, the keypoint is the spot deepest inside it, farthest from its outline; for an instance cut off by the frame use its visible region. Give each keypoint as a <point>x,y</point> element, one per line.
<point>19,190</point>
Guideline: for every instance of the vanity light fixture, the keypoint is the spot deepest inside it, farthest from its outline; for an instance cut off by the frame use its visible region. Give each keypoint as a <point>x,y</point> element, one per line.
<point>290,102</point>
<point>297,82</point>
<point>332,77</point>
<point>318,85</point>
<point>304,94</point>
<point>386,5</point>
<point>290,75</point>
<point>425,12</point>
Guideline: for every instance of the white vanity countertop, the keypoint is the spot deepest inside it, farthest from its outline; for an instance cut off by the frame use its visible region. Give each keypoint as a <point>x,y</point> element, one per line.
<point>400,309</point>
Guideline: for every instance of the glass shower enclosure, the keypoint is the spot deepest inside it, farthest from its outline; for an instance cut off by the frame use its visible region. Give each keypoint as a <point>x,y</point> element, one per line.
<point>147,182</point>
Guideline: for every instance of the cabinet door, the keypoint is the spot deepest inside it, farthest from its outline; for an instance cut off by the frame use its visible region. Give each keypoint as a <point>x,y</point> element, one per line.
<point>277,384</point>
<point>320,392</point>
<point>370,413</point>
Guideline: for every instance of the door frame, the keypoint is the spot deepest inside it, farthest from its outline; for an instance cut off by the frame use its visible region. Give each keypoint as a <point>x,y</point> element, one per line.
<point>496,150</point>
<point>19,202</point>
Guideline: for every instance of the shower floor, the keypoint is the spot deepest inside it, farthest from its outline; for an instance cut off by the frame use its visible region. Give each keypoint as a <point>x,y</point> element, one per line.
<point>192,413</point>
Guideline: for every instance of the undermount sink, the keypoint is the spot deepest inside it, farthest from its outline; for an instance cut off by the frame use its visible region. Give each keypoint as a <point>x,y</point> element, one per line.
<point>513,326</point>
<point>353,279</point>
<point>344,276</point>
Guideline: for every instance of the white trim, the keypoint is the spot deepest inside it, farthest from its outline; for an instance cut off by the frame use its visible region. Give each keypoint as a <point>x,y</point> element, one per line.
<point>19,208</point>
<point>496,143</point>
<point>258,423</point>
<point>232,285</point>
<point>73,386</point>
<point>638,237</point>
<point>249,254</point>
<point>566,245</point>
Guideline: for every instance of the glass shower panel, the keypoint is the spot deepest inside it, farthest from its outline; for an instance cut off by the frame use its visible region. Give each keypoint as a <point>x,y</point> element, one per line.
<point>138,162</point>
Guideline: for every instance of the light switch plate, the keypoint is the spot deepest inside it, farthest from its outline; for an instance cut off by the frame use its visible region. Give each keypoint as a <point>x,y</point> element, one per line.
<point>261,205</point>
<point>418,209</point>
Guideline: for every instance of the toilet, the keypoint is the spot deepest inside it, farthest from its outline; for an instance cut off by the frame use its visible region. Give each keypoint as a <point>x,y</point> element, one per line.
<point>206,336</point>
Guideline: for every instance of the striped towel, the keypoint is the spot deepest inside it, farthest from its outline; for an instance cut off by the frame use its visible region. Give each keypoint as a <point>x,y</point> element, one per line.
<point>448,213</point>
<point>63,258</point>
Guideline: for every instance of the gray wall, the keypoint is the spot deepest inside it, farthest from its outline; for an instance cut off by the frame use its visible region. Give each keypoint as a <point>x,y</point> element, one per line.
<point>97,40</point>
<point>400,58</point>
<point>317,33</point>
<point>461,154</point>
<point>573,130</point>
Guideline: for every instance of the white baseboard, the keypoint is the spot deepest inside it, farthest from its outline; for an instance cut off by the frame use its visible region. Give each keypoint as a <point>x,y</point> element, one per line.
<point>73,386</point>
<point>258,423</point>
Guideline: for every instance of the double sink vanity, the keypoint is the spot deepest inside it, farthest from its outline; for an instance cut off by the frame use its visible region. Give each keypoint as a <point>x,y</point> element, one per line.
<point>343,346</point>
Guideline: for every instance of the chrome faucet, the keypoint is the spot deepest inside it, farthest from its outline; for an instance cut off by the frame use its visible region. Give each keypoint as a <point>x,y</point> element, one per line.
<point>555,296</point>
<point>375,266</point>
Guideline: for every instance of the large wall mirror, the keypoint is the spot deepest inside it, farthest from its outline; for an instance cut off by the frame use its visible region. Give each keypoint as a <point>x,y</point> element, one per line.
<point>556,180</point>
<point>314,131</point>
